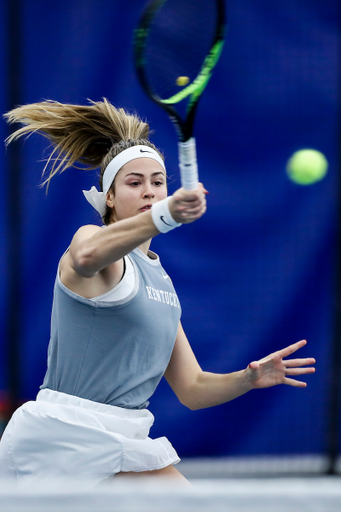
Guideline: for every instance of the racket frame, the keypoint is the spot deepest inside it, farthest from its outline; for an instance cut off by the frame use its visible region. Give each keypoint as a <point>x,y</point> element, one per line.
<point>183,127</point>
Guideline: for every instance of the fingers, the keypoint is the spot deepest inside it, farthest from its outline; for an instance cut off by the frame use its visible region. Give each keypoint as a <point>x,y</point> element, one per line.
<point>192,209</point>
<point>299,371</point>
<point>188,205</point>
<point>291,348</point>
<point>190,196</point>
<point>293,370</point>
<point>295,383</point>
<point>292,363</point>
<point>273,369</point>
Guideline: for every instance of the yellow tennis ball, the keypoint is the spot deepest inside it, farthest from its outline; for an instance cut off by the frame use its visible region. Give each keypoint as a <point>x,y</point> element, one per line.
<point>182,80</point>
<point>307,166</point>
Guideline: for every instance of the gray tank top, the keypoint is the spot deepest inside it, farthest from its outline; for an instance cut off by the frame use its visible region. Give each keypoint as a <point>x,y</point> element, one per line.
<point>114,352</point>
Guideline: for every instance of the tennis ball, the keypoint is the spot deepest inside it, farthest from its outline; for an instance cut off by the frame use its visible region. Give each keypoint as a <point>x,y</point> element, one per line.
<point>307,166</point>
<point>182,80</point>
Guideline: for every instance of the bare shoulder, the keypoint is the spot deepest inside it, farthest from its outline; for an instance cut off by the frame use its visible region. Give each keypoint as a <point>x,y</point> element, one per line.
<point>85,232</point>
<point>77,277</point>
<point>81,235</point>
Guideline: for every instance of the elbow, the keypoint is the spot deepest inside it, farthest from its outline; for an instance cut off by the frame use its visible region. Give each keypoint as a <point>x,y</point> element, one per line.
<point>190,403</point>
<point>194,407</point>
<point>191,395</point>
<point>84,263</point>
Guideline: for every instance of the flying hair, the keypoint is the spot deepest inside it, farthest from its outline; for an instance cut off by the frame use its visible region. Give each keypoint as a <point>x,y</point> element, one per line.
<point>87,135</point>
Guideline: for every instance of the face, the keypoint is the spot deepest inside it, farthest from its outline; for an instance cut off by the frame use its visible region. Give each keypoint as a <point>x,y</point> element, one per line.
<point>138,185</point>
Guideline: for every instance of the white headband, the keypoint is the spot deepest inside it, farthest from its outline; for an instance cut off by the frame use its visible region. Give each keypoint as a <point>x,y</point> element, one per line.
<point>98,199</point>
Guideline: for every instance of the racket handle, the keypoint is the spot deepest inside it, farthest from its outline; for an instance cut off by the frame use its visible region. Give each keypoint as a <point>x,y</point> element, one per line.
<point>188,164</point>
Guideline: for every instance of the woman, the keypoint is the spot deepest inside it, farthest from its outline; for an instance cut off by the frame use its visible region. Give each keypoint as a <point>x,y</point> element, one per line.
<point>115,327</point>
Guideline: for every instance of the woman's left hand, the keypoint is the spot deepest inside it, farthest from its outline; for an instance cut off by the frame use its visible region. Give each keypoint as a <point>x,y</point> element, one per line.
<point>273,369</point>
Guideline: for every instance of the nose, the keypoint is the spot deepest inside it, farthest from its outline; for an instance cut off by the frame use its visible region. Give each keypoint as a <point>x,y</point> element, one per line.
<point>148,192</point>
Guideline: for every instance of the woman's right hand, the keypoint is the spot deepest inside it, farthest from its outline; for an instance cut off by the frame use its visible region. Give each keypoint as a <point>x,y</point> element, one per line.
<point>187,206</point>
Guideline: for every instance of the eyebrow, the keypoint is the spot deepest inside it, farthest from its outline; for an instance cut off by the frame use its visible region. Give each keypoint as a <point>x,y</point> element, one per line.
<point>142,175</point>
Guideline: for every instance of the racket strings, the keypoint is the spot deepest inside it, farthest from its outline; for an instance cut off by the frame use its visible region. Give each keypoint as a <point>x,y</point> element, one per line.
<point>178,42</point>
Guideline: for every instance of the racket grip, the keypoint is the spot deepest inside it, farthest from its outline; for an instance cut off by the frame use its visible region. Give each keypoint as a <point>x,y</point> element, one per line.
<point>188,164</point>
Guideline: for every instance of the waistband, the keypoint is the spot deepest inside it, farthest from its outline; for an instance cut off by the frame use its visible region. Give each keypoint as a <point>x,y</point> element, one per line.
<point>56,397</point>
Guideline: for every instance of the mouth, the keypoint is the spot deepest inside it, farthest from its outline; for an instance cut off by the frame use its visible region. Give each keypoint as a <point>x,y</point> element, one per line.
<point>145,207</point>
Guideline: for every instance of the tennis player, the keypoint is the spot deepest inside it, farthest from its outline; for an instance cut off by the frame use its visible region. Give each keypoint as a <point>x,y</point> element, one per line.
<point>115,327</point>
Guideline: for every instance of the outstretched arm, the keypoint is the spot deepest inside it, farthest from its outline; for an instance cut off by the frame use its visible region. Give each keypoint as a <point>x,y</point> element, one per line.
<point>93,249</point>
<point>198,389</point>
<point>94,263</point>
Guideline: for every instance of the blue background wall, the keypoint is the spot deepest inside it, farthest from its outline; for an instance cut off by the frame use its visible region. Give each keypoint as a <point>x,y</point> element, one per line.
<point>3,219</point>
<point>257,272</point>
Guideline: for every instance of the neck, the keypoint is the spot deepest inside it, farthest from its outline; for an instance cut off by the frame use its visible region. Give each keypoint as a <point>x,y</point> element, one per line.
<point>145,247</point>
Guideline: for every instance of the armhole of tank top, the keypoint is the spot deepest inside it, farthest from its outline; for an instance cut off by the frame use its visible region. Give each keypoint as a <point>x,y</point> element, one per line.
<point>127,281</point>
<point>130,296</point>
<point>103,303</point>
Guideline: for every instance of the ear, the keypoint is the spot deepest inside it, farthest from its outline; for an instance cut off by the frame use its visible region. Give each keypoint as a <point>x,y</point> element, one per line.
<point>110,199</point>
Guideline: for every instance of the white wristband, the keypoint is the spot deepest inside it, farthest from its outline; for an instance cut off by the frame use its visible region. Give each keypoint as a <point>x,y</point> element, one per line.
<point>162,217</point>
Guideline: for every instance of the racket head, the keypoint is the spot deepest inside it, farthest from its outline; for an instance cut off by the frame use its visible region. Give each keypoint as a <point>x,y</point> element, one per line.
<point>176,46</point>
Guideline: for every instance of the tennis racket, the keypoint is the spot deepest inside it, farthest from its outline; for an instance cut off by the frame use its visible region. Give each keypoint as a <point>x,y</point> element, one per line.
<point>176,46</point>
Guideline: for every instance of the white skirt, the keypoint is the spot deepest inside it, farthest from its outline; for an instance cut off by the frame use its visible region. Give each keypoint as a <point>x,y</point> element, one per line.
<point>60,435</point>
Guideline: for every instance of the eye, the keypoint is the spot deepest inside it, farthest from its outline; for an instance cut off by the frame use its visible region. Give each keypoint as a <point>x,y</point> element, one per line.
<point>135,183</point>
<point>158,183</point>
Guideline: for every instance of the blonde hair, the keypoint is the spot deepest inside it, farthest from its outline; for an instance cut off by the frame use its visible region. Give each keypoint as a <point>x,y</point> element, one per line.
<point>90,135</point>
